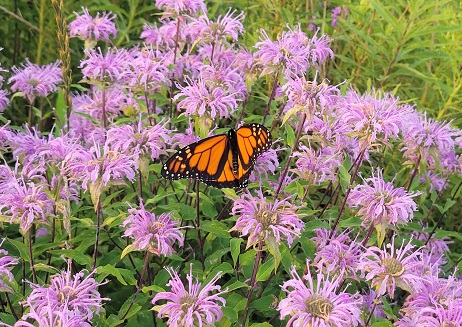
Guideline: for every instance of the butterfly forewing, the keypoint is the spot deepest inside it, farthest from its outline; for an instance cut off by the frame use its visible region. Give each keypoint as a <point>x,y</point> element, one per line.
<point>252,140</point>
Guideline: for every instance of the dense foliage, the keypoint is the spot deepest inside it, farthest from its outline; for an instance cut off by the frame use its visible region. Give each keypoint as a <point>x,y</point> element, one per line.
<point>349,219</point>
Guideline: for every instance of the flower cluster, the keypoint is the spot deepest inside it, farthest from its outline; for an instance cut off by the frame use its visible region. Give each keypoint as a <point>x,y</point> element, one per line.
<point>317,302</point>
<point>380,203</point>
<point>6,264</point>
<point>195,306</point>
<point>266,221</point>
<point>154,234</point>
<point>292,54</point>
<point>96,28</point>
<point>68,299</point>
<point>34,80</point>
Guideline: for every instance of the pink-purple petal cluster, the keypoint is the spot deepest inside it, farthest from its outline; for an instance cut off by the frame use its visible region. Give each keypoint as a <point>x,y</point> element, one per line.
<point>156,234</point>
<point>34,80</point>
<point>379,202</point>
<point>73,293</point>
<point>7,263</point>
<point>317,302</point>
<point>96,28</point>
<point>195,305</point>
<point>261,219</point>
<point>390,269</point>
<point>317,166</point>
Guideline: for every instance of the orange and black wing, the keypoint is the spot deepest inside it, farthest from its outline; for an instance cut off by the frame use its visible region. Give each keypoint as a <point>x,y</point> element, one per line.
<point>252,140</point>
<point>203,160</point>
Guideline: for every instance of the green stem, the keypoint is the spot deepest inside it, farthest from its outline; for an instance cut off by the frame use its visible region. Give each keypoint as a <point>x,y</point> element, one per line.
<point>252,281</point>
<point>99,218</point>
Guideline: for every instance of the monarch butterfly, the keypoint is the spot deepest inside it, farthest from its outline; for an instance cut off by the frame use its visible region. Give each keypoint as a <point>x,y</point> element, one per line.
<point>224,160</point>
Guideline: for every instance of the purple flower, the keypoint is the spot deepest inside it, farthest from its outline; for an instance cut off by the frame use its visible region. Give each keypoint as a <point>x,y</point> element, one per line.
<point>230,79</point>
<point>140,142</point>
<point>323,236</point>
<point>435,248</point>
<point>428,141</point>
<point>196,306</point>
<point>317,166</point>
<point>164,37</point>
<point>74,293</point>
<point>4,100</point>
<point>340,257</point>
<point>25,203</point>
<point>88,28</point>
<point>26,145</point>
<point>380,203</point>
<point>181,7</point>
<point>264,220</point>
<point>34,80</point>
<point>292,54</point>
<point>204,30</point>
<point>373,304</point>
<point>266,163</point>
<point>150,70</point>
<point>373,121</point>
<point>5,136</point>
<point>432,295</point>
<point>154,234</point>
<point>181,140</point>
<point>99,167</point>
<point>52,318</point>
<point>109,67</point>
<point>201,99</point>
<point>113,100</point>
<point>334,14</point>
<point>390,270</point>
<point>436,181</point>
<point>318,302</point>
<point>6,264</point>
<point>308,97</point>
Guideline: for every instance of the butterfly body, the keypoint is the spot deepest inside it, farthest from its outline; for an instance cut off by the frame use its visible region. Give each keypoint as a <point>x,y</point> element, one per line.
<point>224,160</point>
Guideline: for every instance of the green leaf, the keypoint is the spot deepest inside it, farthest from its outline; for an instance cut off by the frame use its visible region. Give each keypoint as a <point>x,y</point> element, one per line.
<point>44,267</point>
<point>236,285</point>
<point>230,193</point>
<point>273,248</point>
<point>208,209</point>
<point>287,259</point>
<point>129,304</point>
<point>61,112</point>
<point>261,324</point>
<point>290,135</point>
<point>216,228</point>
<point>265,270</point>
<point>382,324</point>
<point>113,321</point>
<point>22,248</point>
<point>129,248</point>
<point>124,276</point>
<point>345,177</point>
<point>235,247</point>
<point>265,303</point>
<point>79,257</point>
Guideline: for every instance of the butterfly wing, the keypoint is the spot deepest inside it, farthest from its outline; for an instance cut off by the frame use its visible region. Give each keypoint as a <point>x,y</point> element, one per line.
<point>252,140</point>
<point>203,160</point>
<point>228,178</point>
